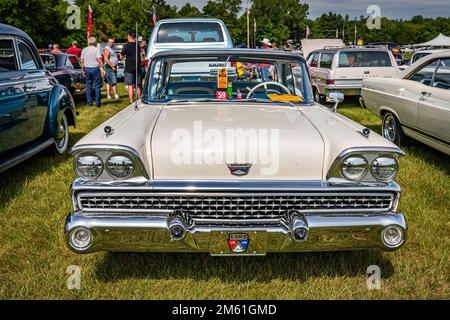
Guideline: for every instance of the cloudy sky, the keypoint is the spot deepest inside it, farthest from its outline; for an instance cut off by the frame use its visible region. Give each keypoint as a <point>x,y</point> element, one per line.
<point>389,8</point>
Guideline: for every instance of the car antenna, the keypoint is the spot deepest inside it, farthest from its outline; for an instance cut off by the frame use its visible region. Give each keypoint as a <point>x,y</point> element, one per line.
<point>136,107</point>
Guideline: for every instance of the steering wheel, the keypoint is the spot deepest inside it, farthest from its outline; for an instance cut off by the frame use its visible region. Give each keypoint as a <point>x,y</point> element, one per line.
<point>265,84</point>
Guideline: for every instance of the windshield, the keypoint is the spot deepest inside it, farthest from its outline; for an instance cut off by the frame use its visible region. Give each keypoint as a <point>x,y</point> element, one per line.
<point>228,78</point>
<point>190,32</point>
<point>358,59</point>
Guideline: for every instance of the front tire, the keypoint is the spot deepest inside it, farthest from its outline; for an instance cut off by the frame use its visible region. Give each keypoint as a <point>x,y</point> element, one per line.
<point>61,143</point>
<point>392,129</point>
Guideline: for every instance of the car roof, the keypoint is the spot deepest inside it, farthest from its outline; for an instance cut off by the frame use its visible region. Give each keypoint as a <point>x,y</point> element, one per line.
<point>181,20</point>
<point>269,54</point>
<point>13,31</point>
<point>432,51</point>
<point>349,49</point>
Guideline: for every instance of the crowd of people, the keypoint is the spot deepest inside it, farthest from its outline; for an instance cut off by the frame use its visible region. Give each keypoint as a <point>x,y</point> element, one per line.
<point>100,66</point>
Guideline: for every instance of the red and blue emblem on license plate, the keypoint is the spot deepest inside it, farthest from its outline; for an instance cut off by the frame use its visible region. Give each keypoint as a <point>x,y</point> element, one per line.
<point>238,243</point>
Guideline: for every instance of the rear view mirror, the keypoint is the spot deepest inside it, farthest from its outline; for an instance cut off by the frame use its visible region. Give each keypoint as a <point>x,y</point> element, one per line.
<point>335,97</point>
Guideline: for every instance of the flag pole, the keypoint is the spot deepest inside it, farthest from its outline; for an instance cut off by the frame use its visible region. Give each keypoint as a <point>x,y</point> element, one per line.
<point>136,108</point>
<point>248,28</point>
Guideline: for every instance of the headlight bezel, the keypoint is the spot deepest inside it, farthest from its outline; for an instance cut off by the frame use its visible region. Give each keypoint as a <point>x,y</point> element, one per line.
<point>391,177</point>
<point>370,154</point>
<point>120,154</point>
<point>105,152</point>
<point>365,166</point>
<point>84,155</point>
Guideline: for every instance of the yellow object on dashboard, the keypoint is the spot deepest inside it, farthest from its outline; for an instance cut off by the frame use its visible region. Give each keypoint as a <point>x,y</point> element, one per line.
<point>285,97</point>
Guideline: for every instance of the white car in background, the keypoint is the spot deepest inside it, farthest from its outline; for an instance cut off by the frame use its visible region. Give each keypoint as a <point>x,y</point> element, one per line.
<point>416,105</point>
<point>344,69</point>
<point>419,55</point>
<point>185,34</point>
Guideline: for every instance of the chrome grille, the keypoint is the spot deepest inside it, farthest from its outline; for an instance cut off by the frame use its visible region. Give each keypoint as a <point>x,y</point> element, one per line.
<point>235,206</point>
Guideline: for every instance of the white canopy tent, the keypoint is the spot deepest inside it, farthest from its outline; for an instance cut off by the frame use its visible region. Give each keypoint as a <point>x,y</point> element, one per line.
<point>309,45</point>
<point>439,41</point>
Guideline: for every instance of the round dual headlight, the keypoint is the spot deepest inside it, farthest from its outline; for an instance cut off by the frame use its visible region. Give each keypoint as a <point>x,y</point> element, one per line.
<point>384,168</point>
<point>88,166</point>
<point>354,168</point>
<point>120,166</point>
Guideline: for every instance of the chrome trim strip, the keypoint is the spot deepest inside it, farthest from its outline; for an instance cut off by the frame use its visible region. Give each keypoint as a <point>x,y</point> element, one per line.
<point>233,186</point>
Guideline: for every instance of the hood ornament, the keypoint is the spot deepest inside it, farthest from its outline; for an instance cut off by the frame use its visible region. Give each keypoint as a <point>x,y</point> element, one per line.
<point>239,169</point>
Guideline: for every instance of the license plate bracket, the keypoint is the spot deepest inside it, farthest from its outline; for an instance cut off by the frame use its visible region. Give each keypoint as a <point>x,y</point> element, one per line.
<point>238,243</point>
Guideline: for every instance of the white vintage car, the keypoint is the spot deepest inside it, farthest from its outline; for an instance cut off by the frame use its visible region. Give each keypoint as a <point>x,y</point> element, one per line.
<point>417,105</point>
<point>226,164</point>
<point>344,69</point>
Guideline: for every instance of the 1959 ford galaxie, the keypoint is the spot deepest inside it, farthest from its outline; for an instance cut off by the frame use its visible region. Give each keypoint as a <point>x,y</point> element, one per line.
<point>218,161</point>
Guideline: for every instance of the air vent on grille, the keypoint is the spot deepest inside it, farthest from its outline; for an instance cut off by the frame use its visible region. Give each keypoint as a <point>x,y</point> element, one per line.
<point>236,206</point>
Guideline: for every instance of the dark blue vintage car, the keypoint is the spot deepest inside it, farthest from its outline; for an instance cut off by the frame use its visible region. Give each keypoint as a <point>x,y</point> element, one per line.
<point>35,111</point>
<point>67,70</point>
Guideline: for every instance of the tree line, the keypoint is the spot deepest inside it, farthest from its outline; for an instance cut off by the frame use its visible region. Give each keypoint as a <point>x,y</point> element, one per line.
<point>280,20</point>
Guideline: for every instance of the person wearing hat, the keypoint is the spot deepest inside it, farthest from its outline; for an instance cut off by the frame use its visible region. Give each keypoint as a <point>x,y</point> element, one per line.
<point>131,54</point>
<point>265,67</point>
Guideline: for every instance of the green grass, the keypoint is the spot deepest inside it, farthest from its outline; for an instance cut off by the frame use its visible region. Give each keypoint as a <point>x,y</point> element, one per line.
<point>35,199</point>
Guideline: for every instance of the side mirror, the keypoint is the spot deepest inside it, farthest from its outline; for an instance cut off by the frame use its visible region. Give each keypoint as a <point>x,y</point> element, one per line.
<point>336,98</point>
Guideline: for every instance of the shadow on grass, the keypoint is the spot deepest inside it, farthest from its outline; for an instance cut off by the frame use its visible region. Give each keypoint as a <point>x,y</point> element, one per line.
<point>14,179</point>
<point>292,266</point>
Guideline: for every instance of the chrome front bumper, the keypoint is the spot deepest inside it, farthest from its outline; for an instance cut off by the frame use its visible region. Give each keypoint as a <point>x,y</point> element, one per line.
<point>130,231</point>
<point>151,234</point>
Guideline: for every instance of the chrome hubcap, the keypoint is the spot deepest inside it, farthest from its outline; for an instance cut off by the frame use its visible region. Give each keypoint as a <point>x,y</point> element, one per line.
<point>390,129</point>
<point>61,135</point>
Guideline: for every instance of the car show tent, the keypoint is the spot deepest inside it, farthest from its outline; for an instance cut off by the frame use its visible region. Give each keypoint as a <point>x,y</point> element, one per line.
<point>440,41</point>
<point>310,45</point>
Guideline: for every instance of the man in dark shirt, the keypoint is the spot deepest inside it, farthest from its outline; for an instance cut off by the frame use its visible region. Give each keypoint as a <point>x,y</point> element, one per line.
<point>131,53</point>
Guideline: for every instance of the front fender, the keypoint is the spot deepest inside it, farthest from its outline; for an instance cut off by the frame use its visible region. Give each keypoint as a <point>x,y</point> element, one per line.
<point>60,102</point>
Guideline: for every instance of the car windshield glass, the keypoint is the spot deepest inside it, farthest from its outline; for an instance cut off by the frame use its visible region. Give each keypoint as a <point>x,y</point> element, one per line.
<point>229,79</point>
<point>419,56</point>
<point>360,59</point>
<point>49,61</point>
<point>190,32</point>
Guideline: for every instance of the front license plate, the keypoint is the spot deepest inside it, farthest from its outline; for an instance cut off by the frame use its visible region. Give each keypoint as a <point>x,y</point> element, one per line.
<point>239,243</point>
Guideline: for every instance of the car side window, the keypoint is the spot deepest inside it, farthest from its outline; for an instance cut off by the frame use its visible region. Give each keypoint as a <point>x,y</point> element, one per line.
<point>326,60</point>
<point>313,60</point>
<point>26,57</point>
<point>442,77</point>
<point>425,74</point>
<point>7,56</point>
<point>69,64</point>
<point>157,81</point>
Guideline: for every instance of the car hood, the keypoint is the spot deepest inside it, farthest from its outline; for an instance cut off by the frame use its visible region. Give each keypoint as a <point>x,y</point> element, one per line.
<point>201,141</point>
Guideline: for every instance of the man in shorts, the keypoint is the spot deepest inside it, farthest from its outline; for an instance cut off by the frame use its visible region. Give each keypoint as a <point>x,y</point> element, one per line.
<point>111,63</point>
<point>132,75</point>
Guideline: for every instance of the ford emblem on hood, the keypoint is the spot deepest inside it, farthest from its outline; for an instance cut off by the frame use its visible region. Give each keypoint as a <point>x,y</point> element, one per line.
<point>239,169</point>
